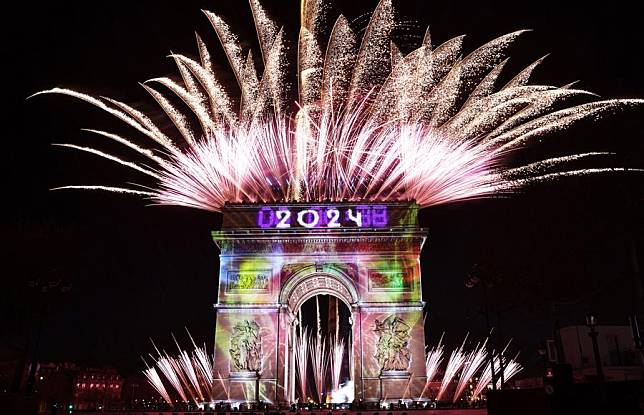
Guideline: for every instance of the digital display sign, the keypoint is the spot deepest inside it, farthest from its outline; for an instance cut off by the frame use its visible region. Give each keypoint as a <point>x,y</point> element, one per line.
<point>370,216</point>
<point>320,216</point>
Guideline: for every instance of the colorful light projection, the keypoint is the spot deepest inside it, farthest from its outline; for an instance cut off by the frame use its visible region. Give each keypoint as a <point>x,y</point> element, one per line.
<point>267,272</point>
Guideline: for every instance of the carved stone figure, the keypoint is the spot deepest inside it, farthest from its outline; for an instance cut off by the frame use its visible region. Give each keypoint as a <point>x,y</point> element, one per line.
<point>246,347</point>
<point>392,349</point>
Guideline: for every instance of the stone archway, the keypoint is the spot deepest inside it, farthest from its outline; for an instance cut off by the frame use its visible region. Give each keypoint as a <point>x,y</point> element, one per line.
<point>302,286</point>
<point>311,281</point>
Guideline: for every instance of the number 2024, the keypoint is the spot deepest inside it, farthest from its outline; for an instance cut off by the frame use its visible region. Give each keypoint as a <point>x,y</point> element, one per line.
<point>311,218</point>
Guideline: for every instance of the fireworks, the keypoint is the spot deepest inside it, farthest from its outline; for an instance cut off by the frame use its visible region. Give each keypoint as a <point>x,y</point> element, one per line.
<point>473,362</point>
<point>336,355</point>
<point>510,369</point>
<point>469,364</point>
<point>454,364</point>
<point>302,359</point>
<point>319,364</point>
<point>372,122</point>
<point>190,375</point>
<point>156,382</point>
<point>485,378</point>
<point>433,361</point>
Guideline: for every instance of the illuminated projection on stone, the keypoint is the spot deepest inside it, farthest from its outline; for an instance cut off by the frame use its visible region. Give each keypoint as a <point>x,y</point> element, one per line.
<point>276,259</point>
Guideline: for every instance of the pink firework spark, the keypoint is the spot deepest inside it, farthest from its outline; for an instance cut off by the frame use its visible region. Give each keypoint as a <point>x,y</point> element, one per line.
<point>319,363</point>
<point>371,124</point>
<point>155,380</point>
<point>336,356</point>
<point>454,364</point>
<point>190,374</point>
<point>473,362</point>
<point>510,369</point>
<point>433,361</point>
<point>302,360</point>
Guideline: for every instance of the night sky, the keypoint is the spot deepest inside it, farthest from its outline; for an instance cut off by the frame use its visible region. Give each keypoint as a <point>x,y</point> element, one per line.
<point>142,272</point>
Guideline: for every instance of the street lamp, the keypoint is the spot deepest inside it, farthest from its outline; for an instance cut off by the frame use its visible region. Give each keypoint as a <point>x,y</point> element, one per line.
<point>485,280</point>
<point>591,323</point>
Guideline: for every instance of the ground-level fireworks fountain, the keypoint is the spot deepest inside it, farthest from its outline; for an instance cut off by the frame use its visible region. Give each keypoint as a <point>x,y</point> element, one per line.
<point>322,303</point>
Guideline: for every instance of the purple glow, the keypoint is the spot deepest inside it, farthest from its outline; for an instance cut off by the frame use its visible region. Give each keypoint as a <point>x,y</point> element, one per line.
<point>311,217</point>
<point>262,220</point>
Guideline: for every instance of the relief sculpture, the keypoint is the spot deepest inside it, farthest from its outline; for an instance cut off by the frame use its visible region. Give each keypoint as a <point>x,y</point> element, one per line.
<point>246,347</point>
<point>392,349</point>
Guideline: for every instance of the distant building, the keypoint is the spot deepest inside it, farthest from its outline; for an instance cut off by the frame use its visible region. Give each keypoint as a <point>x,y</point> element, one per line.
<point>53,384</point>
<point>97,389</point>
<point>58,385</point>
<point>619,357</point>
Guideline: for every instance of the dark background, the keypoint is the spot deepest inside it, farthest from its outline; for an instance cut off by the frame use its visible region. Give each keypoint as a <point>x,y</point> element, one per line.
<point>145,272</point>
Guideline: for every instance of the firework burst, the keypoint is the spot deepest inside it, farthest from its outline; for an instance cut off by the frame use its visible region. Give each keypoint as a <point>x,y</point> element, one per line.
<point>473,362</point>
<point>372,123</point>
<point>456,361</point>
<point>156,382</point>
<point>336,356</point>
<point>190,374</point>
<point>485,378</point>
<point>319,363</point>
<point>301,347</point>
<point>510,369</point>
<point>433,361</point>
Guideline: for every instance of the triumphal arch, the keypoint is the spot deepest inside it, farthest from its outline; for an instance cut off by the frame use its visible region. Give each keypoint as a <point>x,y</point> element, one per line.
<point>276,257</point>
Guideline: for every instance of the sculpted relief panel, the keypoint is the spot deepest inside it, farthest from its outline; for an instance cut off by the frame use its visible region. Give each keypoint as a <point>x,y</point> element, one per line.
<point>392,348</point>
<point>246,347</point>
<point>249,281</point>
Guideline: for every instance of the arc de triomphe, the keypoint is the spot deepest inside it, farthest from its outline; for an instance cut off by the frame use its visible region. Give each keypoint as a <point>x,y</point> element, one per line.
<point>275,257</point>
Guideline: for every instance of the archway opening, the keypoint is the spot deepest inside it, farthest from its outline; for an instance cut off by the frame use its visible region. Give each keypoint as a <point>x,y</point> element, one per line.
<point>323,347</point>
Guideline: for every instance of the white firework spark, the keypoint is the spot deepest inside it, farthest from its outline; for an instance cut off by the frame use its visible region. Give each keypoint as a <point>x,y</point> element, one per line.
<point>190,374</point>
<point>165,365</point>
<point>336,356</point>
<point>454,364</point>
<point>302,360</point>
<point>433,361</point>
<point>373,123</point>
<point>319,364</point>
<point>203,364</point>
<point>475,359</point>
<point>485,378</point>
<point>510,369</point>
<point>156,382</point>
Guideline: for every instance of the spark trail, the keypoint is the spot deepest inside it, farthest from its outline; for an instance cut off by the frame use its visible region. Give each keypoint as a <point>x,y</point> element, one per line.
<point>456,361</point>
<point>372,123</point>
